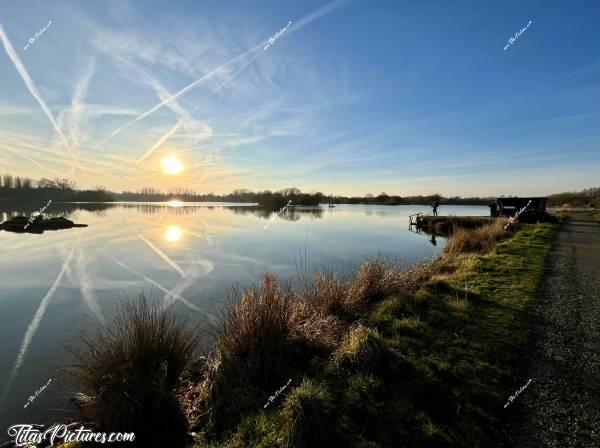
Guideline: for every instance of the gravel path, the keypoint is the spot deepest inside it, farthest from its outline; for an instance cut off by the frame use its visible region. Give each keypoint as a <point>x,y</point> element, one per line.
<point>561,407</point>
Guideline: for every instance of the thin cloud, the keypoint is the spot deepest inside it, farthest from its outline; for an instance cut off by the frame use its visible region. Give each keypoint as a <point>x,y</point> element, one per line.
<point>26,157</point>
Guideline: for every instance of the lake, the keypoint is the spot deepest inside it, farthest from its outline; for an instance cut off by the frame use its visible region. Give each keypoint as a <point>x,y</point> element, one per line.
<point>187,254</point>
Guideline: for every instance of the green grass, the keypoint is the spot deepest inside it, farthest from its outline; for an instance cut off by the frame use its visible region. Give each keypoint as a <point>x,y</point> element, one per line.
<point>433,368</point>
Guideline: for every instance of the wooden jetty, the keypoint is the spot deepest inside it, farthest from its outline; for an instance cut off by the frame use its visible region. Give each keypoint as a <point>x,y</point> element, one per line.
<point>444,224</point>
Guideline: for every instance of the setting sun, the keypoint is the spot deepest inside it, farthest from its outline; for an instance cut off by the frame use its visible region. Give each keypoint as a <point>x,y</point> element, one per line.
<point>172,165</point>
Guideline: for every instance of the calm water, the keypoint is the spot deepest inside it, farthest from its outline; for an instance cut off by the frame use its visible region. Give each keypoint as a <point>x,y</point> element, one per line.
<point>56,283</point>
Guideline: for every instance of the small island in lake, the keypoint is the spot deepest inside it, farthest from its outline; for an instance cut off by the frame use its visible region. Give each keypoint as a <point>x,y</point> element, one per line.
<point>18,224</point>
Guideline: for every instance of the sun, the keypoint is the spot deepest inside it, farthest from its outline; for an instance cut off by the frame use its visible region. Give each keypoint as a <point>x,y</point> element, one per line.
<point>171,165</point>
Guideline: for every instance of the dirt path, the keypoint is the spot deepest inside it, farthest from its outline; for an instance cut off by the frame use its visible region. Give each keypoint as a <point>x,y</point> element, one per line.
<point>561,407</point>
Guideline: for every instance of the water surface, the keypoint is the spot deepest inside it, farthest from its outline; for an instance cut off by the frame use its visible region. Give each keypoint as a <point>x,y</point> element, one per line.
<point>188,255</point>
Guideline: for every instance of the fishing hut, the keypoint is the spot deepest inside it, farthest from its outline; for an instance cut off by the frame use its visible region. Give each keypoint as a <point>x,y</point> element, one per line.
<point>510,206</point>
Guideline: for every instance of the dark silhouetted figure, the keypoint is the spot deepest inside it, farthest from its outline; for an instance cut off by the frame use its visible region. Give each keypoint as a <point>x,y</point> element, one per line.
<point>493,209</point>
<point>435,206</point>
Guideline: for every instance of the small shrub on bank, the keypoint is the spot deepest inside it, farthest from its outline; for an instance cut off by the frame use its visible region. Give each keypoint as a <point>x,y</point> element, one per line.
<point>309,416</point>
<point>480,240</point>
<point>131,368</point>
<point>252,353</point>
<point>369,283</point>
<point>329,295</point>
<point>267,335</point>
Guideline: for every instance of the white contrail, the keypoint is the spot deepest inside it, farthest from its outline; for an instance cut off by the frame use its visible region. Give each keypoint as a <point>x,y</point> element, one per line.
<point>161,254</point>
<point>157,145</point>
<point>318,13</point>
<point>237,72</point>
<point>301,23</point>
<point>77,102</point>
<point>35,322</point>
<point>12,54</point>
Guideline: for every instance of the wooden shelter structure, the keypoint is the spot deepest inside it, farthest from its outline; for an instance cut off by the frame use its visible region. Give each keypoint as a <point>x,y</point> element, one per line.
<point>509,206</point>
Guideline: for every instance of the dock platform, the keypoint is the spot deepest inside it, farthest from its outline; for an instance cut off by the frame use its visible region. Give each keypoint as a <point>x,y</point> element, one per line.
<point>444,224</point>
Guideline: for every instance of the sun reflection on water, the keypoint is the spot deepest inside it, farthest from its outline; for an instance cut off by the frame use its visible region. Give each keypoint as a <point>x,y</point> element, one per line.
<point>173,233</point>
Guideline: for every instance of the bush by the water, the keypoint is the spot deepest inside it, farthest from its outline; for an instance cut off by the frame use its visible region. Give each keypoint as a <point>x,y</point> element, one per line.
<point>480,239</point>
<point>130,369</point>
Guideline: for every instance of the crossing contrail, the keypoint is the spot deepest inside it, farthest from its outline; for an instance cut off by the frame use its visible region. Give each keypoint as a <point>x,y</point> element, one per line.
<point>299,24</point>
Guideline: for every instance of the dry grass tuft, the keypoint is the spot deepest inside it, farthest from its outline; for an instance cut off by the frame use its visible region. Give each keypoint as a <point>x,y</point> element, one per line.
<point>460,305</point>
<point>359,348</point>
<point>264,335</point>
<point>329,295</point>
<point>408,281</point>
<point>373,281</point>
<point>309,416</point>
<point>479,240</point>
<point>408,324</point>
<point>130,370</point>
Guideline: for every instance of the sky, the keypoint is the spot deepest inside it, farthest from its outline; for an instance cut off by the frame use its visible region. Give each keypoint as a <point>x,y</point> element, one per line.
<point>347,97</point>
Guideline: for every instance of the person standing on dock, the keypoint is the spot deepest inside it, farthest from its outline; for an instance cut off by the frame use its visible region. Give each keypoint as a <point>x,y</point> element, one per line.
<point>493,208</point>
<point>435,206</point>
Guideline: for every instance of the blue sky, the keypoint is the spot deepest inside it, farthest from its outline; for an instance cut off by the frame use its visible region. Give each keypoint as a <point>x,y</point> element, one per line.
<point>353,97</point>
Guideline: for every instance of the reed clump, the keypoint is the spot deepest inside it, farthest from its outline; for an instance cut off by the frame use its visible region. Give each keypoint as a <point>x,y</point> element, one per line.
<point>129,370</point>
<point>480,240</point>
<point>266,334</point>
<point>309,417</point>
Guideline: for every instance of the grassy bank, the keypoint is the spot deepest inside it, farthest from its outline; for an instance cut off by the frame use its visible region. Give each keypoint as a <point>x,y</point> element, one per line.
<point>425,356</point>
<point>432,366</point>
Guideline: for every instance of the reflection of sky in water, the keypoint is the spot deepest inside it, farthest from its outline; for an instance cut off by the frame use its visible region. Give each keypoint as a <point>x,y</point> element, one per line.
<point>188,257</point>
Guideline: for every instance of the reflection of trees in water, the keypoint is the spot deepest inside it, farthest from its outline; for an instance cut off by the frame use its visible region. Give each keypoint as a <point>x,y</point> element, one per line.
<point>69,210</point>
<point>251,210</point>
<point>55,210</point>
<point>295,213</point>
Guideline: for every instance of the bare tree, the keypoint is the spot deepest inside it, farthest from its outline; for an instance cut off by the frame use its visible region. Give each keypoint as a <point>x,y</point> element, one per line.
<point>45,183</point>
<point>64,184</point>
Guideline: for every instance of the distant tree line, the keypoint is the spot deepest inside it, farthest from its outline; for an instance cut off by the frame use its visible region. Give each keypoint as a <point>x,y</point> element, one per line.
<point>586,198</point>
<point>23,188</point>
